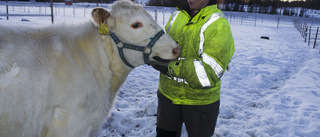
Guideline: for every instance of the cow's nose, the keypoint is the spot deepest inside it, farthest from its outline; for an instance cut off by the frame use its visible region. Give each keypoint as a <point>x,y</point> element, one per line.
<point>176,51</point>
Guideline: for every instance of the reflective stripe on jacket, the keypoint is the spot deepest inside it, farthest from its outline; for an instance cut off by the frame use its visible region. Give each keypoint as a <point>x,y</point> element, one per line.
<point>207,48</point>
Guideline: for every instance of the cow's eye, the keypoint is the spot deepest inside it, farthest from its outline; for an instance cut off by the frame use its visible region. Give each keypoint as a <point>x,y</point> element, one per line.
<point>136,25</point>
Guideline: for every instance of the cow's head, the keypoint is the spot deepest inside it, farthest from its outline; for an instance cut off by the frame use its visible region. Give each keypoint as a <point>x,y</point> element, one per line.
<point>131,24</point>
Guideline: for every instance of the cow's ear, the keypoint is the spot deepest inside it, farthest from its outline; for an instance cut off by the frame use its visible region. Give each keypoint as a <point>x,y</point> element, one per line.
<point>101,15</point>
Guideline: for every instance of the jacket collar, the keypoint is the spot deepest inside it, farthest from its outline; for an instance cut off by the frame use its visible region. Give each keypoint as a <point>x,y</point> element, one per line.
<point>185,6</point>
<point>202,14</point>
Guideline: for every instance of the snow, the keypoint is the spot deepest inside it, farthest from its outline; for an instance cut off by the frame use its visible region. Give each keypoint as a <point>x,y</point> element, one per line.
<point>272,88</point>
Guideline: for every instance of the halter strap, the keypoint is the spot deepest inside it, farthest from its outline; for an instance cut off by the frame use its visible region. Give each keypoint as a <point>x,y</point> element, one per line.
<point>150,45</point>
<point>135,47</point>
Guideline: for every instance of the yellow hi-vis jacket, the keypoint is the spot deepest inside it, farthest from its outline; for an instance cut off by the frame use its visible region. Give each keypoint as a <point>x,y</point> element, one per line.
<point>207,48</point>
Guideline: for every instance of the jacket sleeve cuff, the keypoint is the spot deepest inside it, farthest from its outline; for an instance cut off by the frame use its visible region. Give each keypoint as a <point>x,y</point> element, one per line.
<point>174,68</point>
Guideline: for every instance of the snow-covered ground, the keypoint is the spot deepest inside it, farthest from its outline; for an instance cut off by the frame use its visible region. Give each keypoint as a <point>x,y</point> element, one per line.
<point>272,89</point>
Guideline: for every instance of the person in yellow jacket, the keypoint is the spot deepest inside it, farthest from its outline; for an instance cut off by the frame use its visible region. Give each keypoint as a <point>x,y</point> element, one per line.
<point>189,88</point>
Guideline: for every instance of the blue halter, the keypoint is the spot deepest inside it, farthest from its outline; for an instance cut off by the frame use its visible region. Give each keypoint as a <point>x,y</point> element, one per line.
<point>135,47</point>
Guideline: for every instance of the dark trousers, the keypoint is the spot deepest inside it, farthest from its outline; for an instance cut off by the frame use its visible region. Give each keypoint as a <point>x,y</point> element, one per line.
<point>200,120</point>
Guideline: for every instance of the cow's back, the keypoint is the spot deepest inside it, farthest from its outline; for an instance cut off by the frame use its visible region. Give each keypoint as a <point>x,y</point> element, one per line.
<point>40,71</point>
<point>20,70</point>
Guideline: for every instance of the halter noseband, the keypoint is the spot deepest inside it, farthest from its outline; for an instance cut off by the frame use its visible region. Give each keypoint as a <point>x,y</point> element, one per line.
<point>135,47</point>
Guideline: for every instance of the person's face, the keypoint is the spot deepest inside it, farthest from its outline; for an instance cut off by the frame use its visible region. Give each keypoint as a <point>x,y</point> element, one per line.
<point>197,4</point>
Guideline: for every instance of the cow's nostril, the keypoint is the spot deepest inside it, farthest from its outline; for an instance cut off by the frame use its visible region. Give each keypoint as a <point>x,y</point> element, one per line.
<point>176,51</point>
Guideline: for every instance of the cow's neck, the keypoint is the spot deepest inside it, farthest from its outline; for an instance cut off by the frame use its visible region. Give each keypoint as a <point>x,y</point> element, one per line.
<point>120,71</point>
<point>108,57</point>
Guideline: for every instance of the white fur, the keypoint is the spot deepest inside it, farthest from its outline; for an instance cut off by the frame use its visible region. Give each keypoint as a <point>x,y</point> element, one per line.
<point>61,80</point>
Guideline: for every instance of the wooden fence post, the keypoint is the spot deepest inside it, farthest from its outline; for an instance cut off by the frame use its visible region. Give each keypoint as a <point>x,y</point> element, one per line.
<point>163,16</point>
<point>74,12</point>
<point>305,34</point>
<point>278,21</point>
<point>309,36</point>
<point>241,19</point>
<point>315,40</point>
<point>51,5</point>
<point>255,21</point>
<point>156,14</point>
<point>7,7</point>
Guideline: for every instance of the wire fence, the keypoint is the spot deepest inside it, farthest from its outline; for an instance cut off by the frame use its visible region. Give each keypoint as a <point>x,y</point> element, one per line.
<point>256,19</point>
<point>26,10</point>
<point>60,11</point>
<point>39,12</point>
<point>309,32</point>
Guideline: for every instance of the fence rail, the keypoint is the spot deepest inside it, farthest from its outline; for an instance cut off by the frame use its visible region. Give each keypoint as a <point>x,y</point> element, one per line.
<point>40,5</point>
<point>252,18</point>
<point>242,19</point>
<point>24,15</point>
<point>80,10</point>
<point>309,33</point>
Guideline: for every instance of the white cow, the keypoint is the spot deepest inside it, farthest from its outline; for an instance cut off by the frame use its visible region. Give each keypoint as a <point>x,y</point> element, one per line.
<point>61,80</point>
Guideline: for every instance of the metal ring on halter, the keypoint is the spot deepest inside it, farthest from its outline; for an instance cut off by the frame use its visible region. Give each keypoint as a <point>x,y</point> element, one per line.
<point>120,45</point>
<point>146,50</point>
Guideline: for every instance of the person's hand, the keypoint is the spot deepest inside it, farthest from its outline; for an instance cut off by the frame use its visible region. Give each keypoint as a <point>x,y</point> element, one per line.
<point>161,65</point>
<point>162,68</point>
